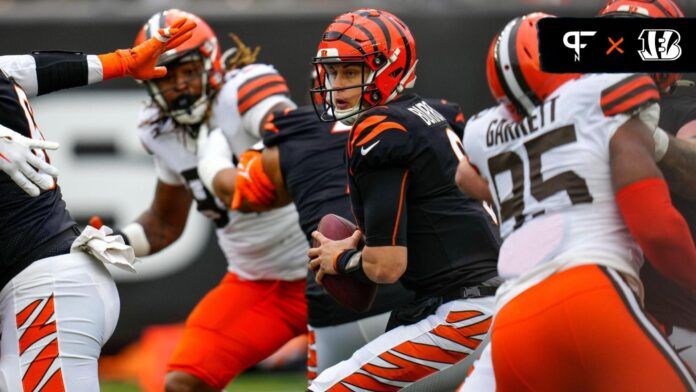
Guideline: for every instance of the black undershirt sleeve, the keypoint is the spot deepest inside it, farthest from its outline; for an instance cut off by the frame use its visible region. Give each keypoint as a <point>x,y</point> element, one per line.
<point>57,70</point>
<point>383,194</point>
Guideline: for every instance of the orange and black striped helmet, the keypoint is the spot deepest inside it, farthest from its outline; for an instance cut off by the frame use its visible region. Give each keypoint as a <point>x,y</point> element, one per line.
<point>379,41</point>
<point>203,46</point>
<point>514,70</point>
<point>647,9</point>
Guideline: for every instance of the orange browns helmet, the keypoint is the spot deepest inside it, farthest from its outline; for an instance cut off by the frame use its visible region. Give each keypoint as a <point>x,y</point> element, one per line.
<point>513,68</point>
<point>376,39</point>
<point>202,46</point>
<point>647,9</point>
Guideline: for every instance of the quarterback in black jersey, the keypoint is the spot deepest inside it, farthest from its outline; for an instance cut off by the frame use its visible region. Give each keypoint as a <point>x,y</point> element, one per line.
<point>420,229</point>
<point>58,305</point>
<point>304,159</point>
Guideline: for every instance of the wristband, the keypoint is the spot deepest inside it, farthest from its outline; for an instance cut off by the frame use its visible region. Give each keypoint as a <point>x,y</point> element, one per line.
<point>661,140</point>
<point>349,263</point>
<point>134,235</point>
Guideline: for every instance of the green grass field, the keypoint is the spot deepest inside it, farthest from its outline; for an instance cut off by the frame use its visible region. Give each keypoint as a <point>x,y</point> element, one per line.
<point>249,382</point>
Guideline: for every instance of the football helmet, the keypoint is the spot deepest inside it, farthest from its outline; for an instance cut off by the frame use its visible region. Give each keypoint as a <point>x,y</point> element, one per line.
<point>513,68</point>
<point>203,46</point>
<point>382,44</point>
<point>647,9</point>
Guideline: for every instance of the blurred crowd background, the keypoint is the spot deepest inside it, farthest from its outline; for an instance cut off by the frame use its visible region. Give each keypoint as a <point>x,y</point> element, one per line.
<point>105,171</point>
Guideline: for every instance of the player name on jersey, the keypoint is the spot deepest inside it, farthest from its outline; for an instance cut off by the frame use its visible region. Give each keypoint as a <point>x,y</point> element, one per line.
<point>501,130</point>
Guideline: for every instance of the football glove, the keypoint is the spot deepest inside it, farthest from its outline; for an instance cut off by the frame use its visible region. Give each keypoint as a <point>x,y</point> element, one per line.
<point>21,164</point>
<point>140,62</point>
<point>253,183</point>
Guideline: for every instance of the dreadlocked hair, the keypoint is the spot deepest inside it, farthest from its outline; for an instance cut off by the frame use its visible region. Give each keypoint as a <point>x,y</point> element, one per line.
<point>240,56</point>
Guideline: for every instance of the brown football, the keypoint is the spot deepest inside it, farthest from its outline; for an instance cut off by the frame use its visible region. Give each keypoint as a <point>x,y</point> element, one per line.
<point>349,292</point>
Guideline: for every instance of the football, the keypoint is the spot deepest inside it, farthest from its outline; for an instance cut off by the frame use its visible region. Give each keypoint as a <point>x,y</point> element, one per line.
<point>349,292</point>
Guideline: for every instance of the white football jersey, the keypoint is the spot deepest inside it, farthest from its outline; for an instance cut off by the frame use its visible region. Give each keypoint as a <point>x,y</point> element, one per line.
<point>268,245</point>
<point>550,178</point>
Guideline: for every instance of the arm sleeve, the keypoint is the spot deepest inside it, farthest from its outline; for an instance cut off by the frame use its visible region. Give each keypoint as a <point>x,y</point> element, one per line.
<point>44,72</point>
<point>164,173</point>
<point>383,194</point>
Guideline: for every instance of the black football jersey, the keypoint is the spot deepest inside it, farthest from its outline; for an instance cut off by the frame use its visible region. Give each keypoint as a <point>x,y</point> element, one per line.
<point>312,161</point>
<point>668,302</point>
<point>402,159</point>
<point>26,223</point>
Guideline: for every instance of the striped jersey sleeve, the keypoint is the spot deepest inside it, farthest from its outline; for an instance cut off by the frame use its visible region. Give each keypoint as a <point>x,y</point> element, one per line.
<point>628,95</point>
<point>260,86</point>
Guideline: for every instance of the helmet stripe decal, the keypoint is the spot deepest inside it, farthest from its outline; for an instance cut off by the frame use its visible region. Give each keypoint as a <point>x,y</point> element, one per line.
<point>361,28</point>
<point>515,65</point>
<point>512,89</point>
<point>382,26</point>
<point>405,41</point>
<point>155,23</point>
<point>662,9</point>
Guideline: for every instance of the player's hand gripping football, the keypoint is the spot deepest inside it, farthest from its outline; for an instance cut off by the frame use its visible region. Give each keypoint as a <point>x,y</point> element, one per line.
<point>140,62</point>
<point>22,165</point>
<point>325,256</point>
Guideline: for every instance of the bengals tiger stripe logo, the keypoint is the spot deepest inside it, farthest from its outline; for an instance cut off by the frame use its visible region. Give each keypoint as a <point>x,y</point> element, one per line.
<point>37,322</point>
<point>376,126</point>
<point>413,360</point>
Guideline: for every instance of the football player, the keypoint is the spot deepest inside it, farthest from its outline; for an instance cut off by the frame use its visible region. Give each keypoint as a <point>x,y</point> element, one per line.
<point>419,228</point>
<point>58,305</point>
<point>673,306</point>
<point>568,161</point>
<point>303,162</point>
<point>259,305</point>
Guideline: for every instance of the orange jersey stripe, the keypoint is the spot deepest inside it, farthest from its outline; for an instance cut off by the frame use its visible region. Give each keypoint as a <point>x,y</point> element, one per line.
<point>260,95</point>
<point>39,328</point>
<point>256,82</point>
<point>360,127</point>
<point>615,96</point>
<point>39,366</point>
<point>383,127</point>
<point>401,205</point>
<point>632,103</point>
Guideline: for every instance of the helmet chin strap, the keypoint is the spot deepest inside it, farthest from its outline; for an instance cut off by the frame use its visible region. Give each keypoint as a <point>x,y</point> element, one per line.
<point>348,115</point>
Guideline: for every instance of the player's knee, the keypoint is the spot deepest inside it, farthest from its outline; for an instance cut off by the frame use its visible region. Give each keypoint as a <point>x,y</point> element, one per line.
<point>184,382</point>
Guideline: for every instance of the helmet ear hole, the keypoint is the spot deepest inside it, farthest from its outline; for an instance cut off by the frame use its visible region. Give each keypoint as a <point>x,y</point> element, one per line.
<point>396,72</point>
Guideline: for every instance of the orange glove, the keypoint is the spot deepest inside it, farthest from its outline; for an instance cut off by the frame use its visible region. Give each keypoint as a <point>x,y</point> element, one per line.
<point>252,182</point>
<point>140,62</point>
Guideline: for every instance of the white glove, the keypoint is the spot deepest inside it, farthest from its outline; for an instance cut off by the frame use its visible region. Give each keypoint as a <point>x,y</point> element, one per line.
<point>214,155</point>
<point>107,248</point>
<point>21,164</point>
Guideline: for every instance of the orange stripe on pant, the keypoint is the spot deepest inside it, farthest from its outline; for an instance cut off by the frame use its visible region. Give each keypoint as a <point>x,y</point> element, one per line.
<point>579,331</point>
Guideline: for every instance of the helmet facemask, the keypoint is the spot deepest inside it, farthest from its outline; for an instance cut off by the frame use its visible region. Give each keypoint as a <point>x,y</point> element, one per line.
<point>326,91</point>
<point>185,109</point>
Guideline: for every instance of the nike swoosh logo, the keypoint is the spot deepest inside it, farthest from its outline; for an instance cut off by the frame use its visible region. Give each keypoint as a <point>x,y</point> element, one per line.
<point>365,151</point>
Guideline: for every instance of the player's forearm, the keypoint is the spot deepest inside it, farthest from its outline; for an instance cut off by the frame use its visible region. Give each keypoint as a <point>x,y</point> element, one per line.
<point>159,233</point>
<point>224,185</point>
<point>679,166</point>
<point>384,264</point>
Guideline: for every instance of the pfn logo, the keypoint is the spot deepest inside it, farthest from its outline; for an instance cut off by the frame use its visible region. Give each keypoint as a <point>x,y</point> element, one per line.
<point>571,40</point>
<point>660,45</point>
